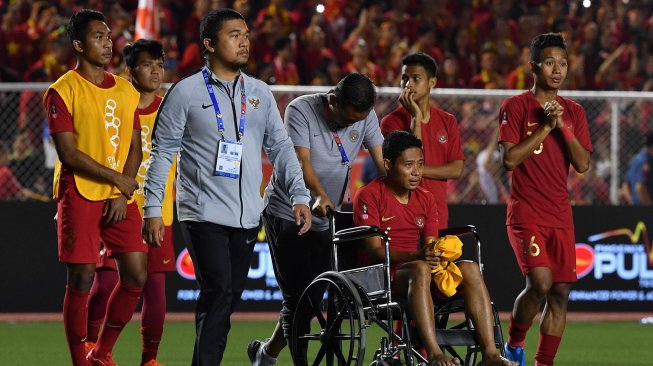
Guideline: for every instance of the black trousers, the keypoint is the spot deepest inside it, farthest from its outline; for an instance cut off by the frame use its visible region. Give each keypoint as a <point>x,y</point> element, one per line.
<point>221,257</point>
<point>297,261</point>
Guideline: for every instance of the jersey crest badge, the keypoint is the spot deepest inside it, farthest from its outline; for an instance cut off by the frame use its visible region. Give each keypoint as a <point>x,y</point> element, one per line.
<point>254,102</point>
<point>442,137</point>
<point>353,135</point>
<point>419,221</point>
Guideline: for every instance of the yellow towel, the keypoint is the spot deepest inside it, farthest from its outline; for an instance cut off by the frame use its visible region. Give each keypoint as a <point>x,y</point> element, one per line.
<point>447,275</point>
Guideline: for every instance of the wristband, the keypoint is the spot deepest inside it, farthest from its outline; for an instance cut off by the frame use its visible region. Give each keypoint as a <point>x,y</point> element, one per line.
<point>567,134</point>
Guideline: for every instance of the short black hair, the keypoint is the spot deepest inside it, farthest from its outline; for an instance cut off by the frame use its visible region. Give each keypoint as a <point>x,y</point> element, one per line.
<point>78,23</point>
<point>212,23</point>
<point>356,90</point>
<point>543,41</point>
<point>424,60</point>
<point>397,142</point>
<point>132,51</point>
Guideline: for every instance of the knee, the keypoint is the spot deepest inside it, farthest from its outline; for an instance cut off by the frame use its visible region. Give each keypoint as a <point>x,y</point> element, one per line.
<point>135,279</point>
<point>81,279</point>
<point>470,271</point>
<point>420,273</point>
<point>559,294</point>
<point>540,288</point>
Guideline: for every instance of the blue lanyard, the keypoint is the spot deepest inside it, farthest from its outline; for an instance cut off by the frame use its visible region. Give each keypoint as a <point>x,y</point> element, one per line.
<point>343,153</point>
<point>216,107</point>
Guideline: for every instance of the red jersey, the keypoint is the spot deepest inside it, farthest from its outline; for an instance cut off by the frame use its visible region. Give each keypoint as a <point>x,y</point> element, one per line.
<point>539,184</point>
<point>406,224</point>
<point>441,144</point>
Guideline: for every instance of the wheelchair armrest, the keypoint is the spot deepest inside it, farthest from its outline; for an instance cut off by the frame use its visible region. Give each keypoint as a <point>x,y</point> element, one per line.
<point>357,233</point>
<point>458,230</point>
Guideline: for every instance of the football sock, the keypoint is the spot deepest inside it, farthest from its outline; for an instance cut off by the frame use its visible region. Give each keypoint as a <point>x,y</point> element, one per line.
<point>104,282</point>
<point>517,333</point>
<point>120,309</point>
<point>75,312</point>
<point>153,314</point>
<point>547,348</point>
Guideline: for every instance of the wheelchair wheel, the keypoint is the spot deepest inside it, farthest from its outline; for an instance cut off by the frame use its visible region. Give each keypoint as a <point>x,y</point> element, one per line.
<point>329,323</point>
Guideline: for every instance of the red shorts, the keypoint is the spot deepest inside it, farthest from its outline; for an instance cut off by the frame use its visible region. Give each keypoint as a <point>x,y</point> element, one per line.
<point>160,259</point>
<point>541,246</point>
<point>80,228</point>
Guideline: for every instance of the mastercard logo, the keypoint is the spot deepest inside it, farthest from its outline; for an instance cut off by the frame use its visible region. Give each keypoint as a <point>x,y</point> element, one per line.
<point>185,265</point>
<point>584,260</point>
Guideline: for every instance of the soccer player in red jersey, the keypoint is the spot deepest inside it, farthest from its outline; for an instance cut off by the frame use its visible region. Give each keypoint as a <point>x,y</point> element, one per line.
<point>443,155</point>
<point>144,61</point>
<point>542,134</point>
<point>408,213</point>
<point>96,131</point>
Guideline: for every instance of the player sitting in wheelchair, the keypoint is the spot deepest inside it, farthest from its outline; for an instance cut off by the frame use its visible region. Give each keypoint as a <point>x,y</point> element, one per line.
<point>408,214</point>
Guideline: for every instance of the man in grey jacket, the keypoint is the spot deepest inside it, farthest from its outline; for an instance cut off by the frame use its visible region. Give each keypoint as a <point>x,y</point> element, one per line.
<point>218,120</point>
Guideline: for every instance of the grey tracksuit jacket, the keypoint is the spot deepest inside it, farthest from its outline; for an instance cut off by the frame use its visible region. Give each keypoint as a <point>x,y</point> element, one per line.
<point>186,123</point>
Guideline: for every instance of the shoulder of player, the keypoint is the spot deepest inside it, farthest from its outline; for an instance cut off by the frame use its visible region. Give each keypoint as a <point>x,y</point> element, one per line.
<point>398,116</point>
<point>570,104</point>
<point>519,99</point>
<point>443,115</point>
<point>371,189</point>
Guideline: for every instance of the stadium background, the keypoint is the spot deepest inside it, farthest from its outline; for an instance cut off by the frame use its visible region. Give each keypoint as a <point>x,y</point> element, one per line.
<point>478,46</point>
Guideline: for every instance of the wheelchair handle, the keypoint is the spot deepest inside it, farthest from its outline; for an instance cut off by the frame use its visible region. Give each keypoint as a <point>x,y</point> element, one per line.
<point>357,233</point>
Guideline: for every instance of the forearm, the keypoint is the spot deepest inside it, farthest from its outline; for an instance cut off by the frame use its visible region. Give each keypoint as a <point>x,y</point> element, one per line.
<point>579,157</point>
<point>311,180</point>
<point>134,157</point>
<point>450,170</point>
<point>82,164</point>
<point>515,154</point>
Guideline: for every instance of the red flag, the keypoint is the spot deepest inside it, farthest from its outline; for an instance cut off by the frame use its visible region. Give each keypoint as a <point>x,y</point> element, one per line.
<point>147,20</point>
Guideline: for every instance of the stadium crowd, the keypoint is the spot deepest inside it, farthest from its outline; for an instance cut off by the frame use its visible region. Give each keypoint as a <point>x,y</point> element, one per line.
<point>477,44</point>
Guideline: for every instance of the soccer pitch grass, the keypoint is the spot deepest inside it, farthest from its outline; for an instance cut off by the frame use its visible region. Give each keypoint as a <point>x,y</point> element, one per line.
<point>585,343</point>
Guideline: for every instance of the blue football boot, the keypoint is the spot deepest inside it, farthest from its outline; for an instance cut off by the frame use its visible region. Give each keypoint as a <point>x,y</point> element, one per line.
<point>515,354</point>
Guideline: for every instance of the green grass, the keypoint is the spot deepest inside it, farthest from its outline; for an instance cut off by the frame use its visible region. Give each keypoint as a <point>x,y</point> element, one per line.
<point>585,343</point>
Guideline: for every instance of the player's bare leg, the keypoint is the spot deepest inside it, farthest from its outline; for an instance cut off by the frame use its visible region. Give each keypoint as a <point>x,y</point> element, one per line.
<point>554,316</point>
<point>528,302</point>
<point>413,280</point>
<point>479,308</point>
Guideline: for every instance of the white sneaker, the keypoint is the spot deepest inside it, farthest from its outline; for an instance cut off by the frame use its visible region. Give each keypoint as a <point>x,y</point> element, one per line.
<point>257,354</point>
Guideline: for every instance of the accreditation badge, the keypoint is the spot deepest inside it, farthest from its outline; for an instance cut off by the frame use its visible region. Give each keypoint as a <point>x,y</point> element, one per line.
<point>229,158</point>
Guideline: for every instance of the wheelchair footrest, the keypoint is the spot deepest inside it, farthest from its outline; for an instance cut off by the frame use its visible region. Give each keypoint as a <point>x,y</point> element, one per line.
<point>455,337</point>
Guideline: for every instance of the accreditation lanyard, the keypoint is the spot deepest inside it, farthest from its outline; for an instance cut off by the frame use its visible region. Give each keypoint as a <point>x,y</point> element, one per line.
<point>216,107</point>
<point>343,154</point>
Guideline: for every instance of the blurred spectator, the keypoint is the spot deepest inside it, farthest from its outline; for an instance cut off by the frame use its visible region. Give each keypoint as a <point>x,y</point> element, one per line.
<point>16,47</point>
<point>450,74</point>
<point>282,70</point>
<point>588,188</point>
<point>10,188</point>
<point>361,63</point>
<point>488,77</point>
<point>313,53</point>
<point>26,161</point>
<point>635,187</point>
<point>521,77</point>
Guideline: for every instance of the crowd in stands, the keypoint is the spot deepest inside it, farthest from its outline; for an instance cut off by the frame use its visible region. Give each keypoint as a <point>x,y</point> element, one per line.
<point>479,44</point>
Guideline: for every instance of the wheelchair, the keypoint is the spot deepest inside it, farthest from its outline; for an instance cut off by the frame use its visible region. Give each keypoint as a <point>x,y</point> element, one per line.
<point>336,309</point>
